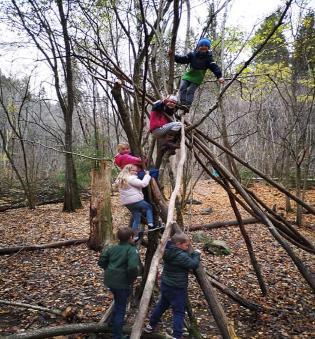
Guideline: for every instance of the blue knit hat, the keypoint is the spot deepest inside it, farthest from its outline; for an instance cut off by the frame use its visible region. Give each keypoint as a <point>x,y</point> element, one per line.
<point>204,42</point>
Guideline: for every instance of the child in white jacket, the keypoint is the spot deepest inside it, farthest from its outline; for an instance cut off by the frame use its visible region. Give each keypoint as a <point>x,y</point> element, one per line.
<point>130,188</point>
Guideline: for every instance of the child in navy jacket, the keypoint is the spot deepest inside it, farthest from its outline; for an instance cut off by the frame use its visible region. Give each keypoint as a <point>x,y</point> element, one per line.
<point>200,60</point>
<point>174,282</point>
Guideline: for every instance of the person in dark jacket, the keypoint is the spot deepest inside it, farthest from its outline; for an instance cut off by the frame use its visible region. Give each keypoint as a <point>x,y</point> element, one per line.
<point>174,282</point>
<point>121,263</point>
<point>200,60</point>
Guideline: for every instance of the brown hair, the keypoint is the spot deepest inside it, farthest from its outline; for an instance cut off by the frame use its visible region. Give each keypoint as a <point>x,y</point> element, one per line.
<point>124,233</point>
<point>179,238</point>
<point>121,147</point>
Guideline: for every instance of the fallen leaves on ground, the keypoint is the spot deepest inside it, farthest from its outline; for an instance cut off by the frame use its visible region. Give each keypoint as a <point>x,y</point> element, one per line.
<point>69,279</point>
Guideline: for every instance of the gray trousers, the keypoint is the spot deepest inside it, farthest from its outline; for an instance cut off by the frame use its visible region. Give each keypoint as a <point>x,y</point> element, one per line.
<point>172,127</point>
<point>187,91</point>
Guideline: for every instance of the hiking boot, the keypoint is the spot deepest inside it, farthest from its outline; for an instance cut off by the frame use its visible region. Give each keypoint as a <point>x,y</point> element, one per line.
<point>148,329</point>
<point>156,228</point>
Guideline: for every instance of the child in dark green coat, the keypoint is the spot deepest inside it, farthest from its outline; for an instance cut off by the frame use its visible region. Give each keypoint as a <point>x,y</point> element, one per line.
<point>121,263</point>
<point>174,282</point>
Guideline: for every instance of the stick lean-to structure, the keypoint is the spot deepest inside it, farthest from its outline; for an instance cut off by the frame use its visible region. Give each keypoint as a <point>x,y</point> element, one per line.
<point>240,197</point>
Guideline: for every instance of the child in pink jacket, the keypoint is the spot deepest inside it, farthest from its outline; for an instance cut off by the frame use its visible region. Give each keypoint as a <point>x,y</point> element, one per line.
<point>124,157</point>
<point>162,124</point>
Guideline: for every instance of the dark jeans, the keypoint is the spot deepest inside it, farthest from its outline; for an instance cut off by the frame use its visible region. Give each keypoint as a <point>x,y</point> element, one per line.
<point>136,210</point>
<point>176,298</point>
<point>187,91</point>
<point>120,305</point>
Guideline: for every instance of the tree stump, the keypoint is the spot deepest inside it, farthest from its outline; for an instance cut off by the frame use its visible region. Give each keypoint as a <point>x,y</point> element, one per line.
<point>101,228</point>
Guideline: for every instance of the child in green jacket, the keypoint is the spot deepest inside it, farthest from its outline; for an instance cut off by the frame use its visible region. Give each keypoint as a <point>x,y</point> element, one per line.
<point>121,263</point>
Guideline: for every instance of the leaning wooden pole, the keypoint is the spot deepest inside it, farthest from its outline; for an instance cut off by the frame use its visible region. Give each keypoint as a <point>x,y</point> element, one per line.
<point>225,328</point>
<point>248,243</point>
<point>284,228</point>
<point>215,307</point>
<point>235,296</point>
<point>255,170</point>
<point>146,296</point>
<point>262,216</point>
<point>249,246</point>
<point>292,232</point>
<point>281,224</point>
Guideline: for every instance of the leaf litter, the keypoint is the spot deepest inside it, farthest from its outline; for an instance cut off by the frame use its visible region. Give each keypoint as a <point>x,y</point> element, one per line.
<point>69,279</point>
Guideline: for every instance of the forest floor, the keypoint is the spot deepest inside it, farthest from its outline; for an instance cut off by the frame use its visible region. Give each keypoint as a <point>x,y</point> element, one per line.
<point>69,277</point>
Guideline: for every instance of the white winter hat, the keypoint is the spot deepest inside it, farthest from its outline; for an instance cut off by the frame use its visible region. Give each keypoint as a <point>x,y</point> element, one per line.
<point>172,98</point>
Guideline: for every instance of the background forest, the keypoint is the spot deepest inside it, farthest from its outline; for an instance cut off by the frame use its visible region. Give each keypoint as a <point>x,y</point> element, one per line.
<point>266,116</point>
<point>95,69</point>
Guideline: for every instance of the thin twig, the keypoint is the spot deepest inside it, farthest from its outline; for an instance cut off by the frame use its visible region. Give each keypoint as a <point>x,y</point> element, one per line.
<point>62,151</point>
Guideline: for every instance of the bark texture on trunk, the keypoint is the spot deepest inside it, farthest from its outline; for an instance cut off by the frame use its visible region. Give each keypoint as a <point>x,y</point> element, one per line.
<point>101,227</point>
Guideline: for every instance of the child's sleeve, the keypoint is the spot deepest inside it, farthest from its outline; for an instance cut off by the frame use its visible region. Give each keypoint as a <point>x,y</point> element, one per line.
<point>133,264</point>
<point>132,159</point>
<point>104,259</point>
<point>215,69</point>
<point>183,59</point>
<point>134,181</point>
<point>190,261</point>
<point>157,106</point>
<point>154,120</point>
<point>117,160</point>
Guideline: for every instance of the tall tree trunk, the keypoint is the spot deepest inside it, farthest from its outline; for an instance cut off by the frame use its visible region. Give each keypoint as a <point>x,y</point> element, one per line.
<point>125,118</point>
<point>71,195</point>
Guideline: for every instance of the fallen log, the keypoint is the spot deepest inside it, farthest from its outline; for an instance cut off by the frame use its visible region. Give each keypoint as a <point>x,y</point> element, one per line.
<point>84,194</point>
<point>107,314</point>
<point>218,224</point>
<point>14,206</point>
<point>15,249</point>
<point>33,307</point>
<point>49,332</point>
